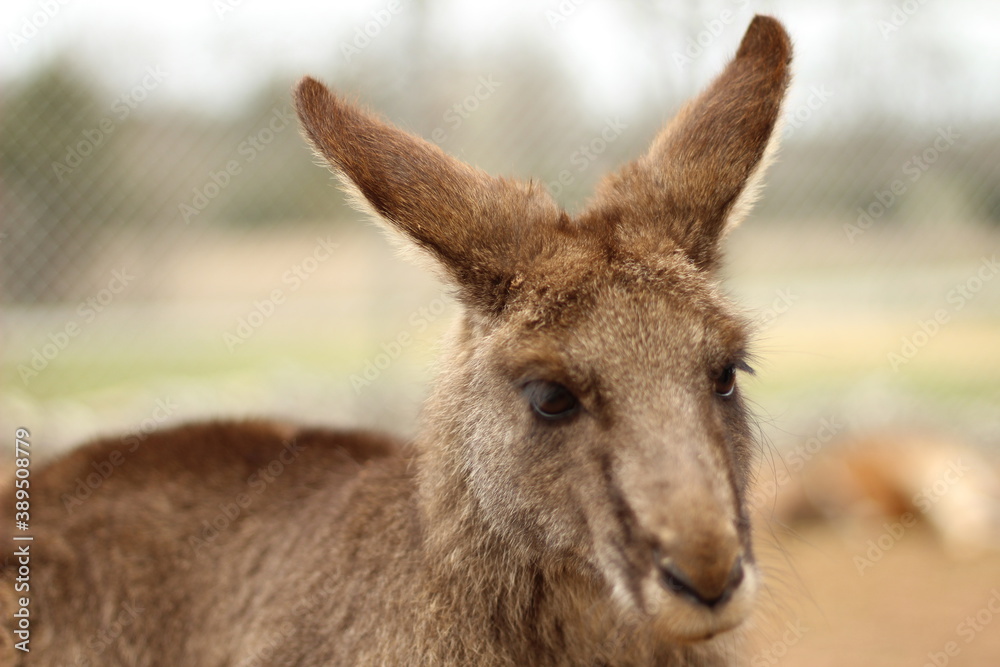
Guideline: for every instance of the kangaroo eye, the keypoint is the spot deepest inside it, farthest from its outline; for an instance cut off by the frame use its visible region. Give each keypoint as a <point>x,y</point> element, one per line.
<point>725,383</point>
<point>551,400</point>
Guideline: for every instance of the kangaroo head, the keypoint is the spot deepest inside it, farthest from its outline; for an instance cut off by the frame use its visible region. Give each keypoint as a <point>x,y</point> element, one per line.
<point>589,403</point>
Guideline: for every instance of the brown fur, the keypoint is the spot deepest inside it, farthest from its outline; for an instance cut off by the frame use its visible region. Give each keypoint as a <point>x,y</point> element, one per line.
<point>497,537</point>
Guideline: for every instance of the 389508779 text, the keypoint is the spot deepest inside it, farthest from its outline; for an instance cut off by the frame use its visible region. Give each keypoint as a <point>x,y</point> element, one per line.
<point>22,541</point>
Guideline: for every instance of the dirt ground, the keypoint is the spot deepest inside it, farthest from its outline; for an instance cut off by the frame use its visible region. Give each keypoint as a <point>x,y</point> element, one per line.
<point>874,594</point>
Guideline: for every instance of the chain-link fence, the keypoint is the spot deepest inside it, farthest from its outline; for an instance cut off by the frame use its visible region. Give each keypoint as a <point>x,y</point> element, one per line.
<point>170,250</point>
<point>167,236</point>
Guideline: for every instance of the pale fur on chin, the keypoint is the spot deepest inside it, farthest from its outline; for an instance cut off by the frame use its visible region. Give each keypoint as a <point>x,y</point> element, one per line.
<point>681,620</point>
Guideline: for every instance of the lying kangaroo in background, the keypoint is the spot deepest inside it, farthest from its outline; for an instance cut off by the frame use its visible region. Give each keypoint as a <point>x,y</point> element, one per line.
<point>575,493</point>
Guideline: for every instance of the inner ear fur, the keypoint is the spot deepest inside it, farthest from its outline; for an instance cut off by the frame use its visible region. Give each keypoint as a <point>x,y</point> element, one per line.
<point>698,179</point>
<point>703,170</point>
<point>484,231</point>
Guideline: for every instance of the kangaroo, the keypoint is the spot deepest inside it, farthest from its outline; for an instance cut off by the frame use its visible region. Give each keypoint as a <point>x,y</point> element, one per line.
<point>575,493</point>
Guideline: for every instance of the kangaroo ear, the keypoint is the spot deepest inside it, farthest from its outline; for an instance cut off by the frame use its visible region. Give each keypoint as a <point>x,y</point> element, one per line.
<point>482,230</point>
<point>703,171</point>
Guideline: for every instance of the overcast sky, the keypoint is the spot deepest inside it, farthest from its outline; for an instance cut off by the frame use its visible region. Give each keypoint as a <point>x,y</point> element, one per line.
<point>916,57</point>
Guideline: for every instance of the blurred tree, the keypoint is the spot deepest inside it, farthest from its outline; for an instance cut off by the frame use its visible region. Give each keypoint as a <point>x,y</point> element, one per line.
<point>59,183</point>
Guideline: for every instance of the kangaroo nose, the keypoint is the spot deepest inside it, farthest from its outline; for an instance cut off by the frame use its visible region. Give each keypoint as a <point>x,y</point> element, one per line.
<point>710,586</point>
